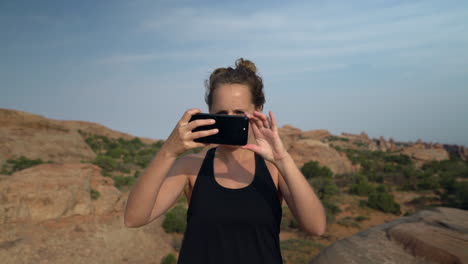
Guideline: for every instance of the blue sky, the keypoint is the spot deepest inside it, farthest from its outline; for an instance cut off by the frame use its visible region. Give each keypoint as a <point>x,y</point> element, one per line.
<point>397,69</point>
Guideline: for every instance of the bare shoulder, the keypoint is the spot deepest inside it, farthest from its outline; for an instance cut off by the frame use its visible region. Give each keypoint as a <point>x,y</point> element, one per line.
<point>190,163</point>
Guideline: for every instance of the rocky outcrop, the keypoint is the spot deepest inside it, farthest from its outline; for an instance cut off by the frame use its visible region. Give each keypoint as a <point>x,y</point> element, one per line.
<point>439,235</point>
<point>457,151</point>
<point>421,153</point>
<point>52,191</point>
<point>83,239</point>
<point>305,150</point>
<point>37,137</point>
<point>307,146</point>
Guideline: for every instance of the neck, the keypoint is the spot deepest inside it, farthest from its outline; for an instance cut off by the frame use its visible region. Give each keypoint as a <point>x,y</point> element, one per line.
<point>229,154</point>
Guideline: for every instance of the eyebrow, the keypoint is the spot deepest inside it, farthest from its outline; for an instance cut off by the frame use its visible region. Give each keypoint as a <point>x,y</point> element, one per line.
<point>236,111</point>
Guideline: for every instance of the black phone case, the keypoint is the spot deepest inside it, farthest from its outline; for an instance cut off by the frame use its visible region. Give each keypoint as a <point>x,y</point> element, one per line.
<point>233,129</point>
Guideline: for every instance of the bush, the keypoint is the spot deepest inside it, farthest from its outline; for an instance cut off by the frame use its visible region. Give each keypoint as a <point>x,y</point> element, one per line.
<point>169,259</point>
<point>176,220</point>
<point>362,189</point>
<point>120,181</point>
<point>324,187</point>
<point>427,181</point>
<point>105,162</point>
<point>455,193</point>
<point>312,169</point>
<point>331,210</point>
<point>361,185</point>
<point>288,220</point>
<point>361,218</point>
<point>384,202</point>
<point>401,159</point>
<point>94,194</point>
<point>13,165</point>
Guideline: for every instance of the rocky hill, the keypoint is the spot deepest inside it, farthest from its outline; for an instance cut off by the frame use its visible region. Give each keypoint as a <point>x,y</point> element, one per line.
<point>64,184</point>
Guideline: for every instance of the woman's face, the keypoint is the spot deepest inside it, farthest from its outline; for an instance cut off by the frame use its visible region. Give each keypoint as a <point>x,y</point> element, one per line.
<point>232,99</point>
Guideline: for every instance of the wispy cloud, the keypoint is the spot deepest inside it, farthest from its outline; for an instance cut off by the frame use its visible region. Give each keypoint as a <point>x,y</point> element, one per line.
<point>298,32</point>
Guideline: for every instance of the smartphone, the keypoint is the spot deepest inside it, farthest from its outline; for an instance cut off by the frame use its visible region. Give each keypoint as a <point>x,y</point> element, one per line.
<point>232,129</point>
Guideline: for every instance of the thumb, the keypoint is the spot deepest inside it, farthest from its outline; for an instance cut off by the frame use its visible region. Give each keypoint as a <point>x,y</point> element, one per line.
<point>252,147</point>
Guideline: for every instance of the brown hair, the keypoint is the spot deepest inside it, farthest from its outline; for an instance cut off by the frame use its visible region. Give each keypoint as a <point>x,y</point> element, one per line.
<point>245,73</point>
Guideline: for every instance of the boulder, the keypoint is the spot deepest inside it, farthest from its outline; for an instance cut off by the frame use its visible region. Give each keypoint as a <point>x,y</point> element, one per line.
<point>305,150</point>
<point>439,235</point>
<point>51,191</point>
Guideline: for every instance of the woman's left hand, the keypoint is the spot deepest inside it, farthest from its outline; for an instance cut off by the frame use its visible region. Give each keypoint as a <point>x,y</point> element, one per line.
<point>265,129</point>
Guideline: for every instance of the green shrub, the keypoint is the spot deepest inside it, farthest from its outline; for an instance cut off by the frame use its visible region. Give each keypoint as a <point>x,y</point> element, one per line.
<point>331,210</point>
<point>384,202</point>
<point>288,220</point>
<point>335,138</point>
<point>94,194</point>
<point>455,193</point>
<point>360,185</point>
<point>169,259</point>
<point>361,218</point>
<point>360,143</point>
<point>120,181</point>
<point>362,189</point>
<point>105,162</point>
<point>13,165</point>
<point>324,187</point>
<point>427,181</point>
<point>176,220</point>
<point>312,169</point>
<point>401,159</point>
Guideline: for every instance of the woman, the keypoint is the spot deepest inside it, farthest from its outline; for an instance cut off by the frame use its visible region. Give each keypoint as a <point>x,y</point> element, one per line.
<point>234,192</point>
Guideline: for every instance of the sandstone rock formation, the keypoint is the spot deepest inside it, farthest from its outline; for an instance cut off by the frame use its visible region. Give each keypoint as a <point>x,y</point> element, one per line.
<point>37,137</point>
<point>52,191</point>
<point>421,153</point>
<point>439,235</point>
<point>307,146</point>
<point>47,215</point>
<point>83,239</point>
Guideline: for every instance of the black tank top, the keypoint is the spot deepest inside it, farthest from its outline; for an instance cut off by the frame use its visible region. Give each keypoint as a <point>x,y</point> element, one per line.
<point>238,226</point>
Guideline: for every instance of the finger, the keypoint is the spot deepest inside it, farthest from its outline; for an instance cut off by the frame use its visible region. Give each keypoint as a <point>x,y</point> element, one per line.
<point>252,147</point>
<point>274,125</point>
<point>257,121</point>
<point>263,119</point>
<point>200,122</point>
<point>255,129</point>
<point>203,133</point>
<point>188,114</point>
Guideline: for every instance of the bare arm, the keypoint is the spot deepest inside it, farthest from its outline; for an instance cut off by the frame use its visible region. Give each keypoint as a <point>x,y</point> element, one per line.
<point>297,192</point>
<point>164,179</point>
<point>301,199</point>
<point>143,195</point>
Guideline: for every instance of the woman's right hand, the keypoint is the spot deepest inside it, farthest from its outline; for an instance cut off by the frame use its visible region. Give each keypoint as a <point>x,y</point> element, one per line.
<point>181,138</point>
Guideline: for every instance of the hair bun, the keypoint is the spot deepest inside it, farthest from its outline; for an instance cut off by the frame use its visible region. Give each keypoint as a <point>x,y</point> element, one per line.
<point>247,64</point>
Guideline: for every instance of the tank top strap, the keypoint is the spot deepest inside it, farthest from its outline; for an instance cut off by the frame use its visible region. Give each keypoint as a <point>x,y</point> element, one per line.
<point>262,172</point>
<point>202,182</point>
